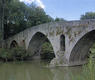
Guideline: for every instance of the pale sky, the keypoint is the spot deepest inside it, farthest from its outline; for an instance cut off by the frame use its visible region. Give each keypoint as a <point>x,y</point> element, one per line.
<point>38,2</point>
<point>67,9</point>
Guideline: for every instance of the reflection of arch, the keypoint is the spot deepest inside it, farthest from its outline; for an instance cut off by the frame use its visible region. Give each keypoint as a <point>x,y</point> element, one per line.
<point>36,43</point>
<point>13,44</point>
<point>81,49</point>
<point>62,42</point>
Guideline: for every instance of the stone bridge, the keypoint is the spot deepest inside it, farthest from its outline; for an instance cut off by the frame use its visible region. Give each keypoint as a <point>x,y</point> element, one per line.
<point>70,40</point>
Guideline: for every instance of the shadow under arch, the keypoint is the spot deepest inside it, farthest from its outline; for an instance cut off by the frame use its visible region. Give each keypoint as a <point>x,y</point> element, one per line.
<point>13,44</point>
<point>35,45</point>
<point>81,50</point>
<point>62,42</point>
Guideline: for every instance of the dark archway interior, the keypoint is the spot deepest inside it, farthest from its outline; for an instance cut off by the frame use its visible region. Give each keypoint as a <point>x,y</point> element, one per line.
<point>81,50</point>
<point>13,44</point>
<point>62,42</point>
<point>36,46</point>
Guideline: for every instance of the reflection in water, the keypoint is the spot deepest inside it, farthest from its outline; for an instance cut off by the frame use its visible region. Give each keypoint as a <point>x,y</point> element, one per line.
<point>65,73</point>
<point>36,71</point>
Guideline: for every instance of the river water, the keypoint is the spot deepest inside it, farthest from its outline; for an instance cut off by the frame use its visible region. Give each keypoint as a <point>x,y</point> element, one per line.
<point>36,70</point>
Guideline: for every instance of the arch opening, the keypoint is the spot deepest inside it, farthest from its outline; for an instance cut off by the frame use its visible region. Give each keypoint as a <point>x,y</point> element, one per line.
<point>13,44</point>
<point>62,42</point>
<point>82,48</point>
<point>40,47</point>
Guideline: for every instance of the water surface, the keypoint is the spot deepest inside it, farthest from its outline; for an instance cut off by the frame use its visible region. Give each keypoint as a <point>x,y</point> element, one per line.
<point>36,70</point>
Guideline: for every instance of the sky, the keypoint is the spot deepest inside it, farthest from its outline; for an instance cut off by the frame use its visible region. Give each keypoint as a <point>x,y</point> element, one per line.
<point>67,9</point>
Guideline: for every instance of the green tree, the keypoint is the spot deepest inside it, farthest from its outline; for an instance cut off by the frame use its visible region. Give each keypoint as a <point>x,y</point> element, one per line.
<point>59,19</point>
<point>19,16</point>
<point>47,51</point>
<point>88,15</point>
<point>1,21</point>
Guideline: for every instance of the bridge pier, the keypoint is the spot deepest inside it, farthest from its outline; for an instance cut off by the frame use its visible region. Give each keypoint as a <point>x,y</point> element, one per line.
<point>60,60</point>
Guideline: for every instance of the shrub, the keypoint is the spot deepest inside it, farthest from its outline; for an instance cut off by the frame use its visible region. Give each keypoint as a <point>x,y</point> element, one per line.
<point>18,53</point>
<point>12,54</point>
<point>47,51</point>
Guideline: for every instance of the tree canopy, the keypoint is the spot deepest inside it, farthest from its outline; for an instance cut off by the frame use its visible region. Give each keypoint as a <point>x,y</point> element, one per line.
<point>59,19</point>
<point>88,15</point>
<point>19,16</point>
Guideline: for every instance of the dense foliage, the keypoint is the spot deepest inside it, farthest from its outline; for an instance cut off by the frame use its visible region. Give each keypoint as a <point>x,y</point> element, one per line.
<point>19,53</point>
<point>47,48</point>
<point>47,51</point>
<point>88,15</point>
<point>13,54</point>
<point>19,16</point>
<point>92,51</point>
<point>59,19</point>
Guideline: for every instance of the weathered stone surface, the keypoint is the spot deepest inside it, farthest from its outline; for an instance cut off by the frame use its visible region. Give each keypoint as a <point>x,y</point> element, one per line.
<point>79,36</point>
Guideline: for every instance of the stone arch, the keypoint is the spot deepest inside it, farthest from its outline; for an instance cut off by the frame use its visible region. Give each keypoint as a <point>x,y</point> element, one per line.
<point>13,44</point>
<point>81,49</point>
<point>62,42</point>
<point>35,44</point>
